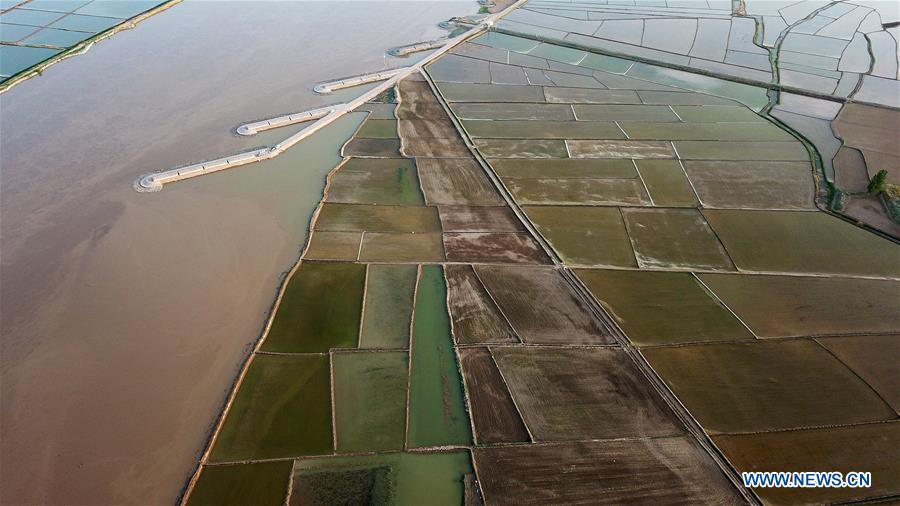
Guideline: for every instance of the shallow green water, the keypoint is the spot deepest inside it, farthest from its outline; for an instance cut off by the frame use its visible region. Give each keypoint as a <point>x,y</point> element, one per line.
<point>437,414</point>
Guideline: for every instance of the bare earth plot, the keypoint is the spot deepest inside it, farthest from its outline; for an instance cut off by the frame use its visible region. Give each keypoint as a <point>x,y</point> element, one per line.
<point>598,281</point>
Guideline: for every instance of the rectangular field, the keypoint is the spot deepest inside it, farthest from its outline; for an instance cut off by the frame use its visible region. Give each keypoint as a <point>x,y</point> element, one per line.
<point>584,235</point>
<point>674,239</point>
<point>456,182</point>
<point>265,484</point>
<point>753,185</point>
<point>814,242</point>
<point>661,471</point>
<point>874,359</point>
<point>778,306</point>
<point>389,306</point>
<point>370,400</point>
<point>668,185</point>
<point>560,318</point>
<point>766,385</point>
<point>662,307</point>
<point>320,309</point>
<point>374,218</point>
<point>574,192</point>
<point>437,414</point>
<point>493,412</point>
<point>476,319</point>
<point>479,219</point>
<point>282,409</point>
<point>871,447</point>
<point>400,247</point>
<point>613,398</point>
<point>376,181</point>
<point>493,247</point>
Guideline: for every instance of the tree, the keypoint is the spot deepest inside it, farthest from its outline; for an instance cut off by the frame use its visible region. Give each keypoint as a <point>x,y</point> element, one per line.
<point>878,183</point>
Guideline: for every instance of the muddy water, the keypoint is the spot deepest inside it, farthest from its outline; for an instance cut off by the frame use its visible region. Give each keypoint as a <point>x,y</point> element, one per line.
<point>125,316</point>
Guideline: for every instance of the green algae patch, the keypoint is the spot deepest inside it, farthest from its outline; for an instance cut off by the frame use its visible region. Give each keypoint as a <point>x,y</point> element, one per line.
<point>282,409</point>
<point>584,235</point>
<point>370,400</point>
<point>390,181</point>
<point>766,385</point>
<point>668,185</point>
<point>320,309</point>
<point>561,317</point>
<point>790,241</point>
<point>674,239</point>
<point>390,478</point>
<point>437,415</point>
<point>389,304</point>
<point>264,484</point>
<point>378,129</point>
<point>662,307</point>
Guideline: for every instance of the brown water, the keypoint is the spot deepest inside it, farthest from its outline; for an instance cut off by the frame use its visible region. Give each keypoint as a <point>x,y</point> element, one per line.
<point>126,316</point>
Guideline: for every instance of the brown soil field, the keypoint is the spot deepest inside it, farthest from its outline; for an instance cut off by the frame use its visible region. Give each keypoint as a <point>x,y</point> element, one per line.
<point>657,471</point>
<point>766,385</point>
<point>493,412</point>
<point>874,359</point>
<point>476,319</point>
<point>541,307</point>
<point>479,219</point>
<point>577,394</point>
<point>869,447</point>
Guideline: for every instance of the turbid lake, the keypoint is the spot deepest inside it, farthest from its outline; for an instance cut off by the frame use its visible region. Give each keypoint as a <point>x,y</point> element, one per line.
<point>126,316</point>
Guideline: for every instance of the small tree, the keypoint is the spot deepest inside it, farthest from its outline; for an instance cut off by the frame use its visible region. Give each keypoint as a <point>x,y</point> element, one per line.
<point>878,183</point>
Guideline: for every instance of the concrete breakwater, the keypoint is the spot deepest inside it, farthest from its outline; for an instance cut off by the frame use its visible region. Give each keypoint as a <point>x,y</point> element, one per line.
<point>154,181</point>
<point>350,82</point>
<point>416,48</point>
<point>255,127</point>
